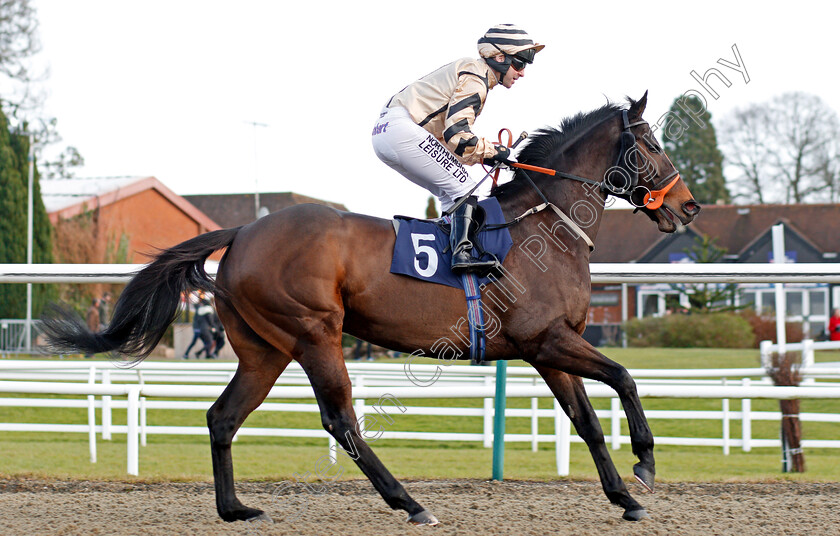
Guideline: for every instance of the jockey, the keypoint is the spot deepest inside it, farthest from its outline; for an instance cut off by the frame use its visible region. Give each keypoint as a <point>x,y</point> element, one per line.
<point>425,130</point>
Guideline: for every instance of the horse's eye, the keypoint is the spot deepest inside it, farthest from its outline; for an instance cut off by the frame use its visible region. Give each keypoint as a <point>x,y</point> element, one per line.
<point>653,148</point>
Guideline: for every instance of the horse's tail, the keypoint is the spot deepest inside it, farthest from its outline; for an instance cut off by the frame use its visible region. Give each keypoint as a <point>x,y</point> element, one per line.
<point>147,306</point>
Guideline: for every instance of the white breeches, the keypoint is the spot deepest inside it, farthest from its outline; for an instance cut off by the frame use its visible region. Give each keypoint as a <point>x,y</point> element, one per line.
<point>420,157</point>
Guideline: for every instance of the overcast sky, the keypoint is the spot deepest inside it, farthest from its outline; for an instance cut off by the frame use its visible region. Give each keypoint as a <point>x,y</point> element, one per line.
<point>168,88</point>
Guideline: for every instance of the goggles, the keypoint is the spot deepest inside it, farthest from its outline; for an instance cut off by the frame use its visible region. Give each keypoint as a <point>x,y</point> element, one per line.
<point>522,58</point>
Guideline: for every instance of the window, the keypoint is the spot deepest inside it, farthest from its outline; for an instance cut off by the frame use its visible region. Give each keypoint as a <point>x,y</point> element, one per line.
<point>650,305</point>
<point>818,306</point>
<point>768,302</point>
<point>604,299</point>
<point>793,303</point>
<point>747,298</point>
<point>815,330</point>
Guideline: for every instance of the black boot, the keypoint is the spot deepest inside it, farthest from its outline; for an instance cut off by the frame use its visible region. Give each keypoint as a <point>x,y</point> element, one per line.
<point>463,225</point>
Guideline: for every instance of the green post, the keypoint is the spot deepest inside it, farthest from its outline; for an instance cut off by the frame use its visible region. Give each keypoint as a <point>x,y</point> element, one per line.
<point>499,421</point>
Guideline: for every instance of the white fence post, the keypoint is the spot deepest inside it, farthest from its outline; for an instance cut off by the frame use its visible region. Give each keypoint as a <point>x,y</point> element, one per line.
<point>106,407</point>
<point>807,359</point>
<point>535,426</point>
<point>615,423</point>
<point>92,416</point>
<point>725,410</point>
<point>765,349</point>
<point>562,439</point>
<point>333,448</point>
<point>359,406</point>
<point>488,415</point>
<point>132,448</point>
<point>746,420</point>
<point>779,257</point>
<point>142,421</point>
<point>141,383</point>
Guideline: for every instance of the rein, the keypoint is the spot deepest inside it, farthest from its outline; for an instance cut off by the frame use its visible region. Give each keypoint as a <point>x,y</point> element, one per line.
<point>653,198</point>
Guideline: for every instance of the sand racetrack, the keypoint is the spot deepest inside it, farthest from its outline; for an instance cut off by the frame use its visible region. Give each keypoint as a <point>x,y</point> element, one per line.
<point>464,507</point>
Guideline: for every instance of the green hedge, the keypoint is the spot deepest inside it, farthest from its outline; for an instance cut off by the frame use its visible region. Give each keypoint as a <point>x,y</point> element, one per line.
<point>715,330</point>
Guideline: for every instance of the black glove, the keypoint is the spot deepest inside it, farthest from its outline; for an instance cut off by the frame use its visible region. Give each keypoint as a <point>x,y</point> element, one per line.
<point>502,156</point>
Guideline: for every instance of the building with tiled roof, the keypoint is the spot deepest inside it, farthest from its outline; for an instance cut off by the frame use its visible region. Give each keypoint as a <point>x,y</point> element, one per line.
<point>233,210</point>
<point>625,237</point>
<point>744,232</point>
<point>141,210</point>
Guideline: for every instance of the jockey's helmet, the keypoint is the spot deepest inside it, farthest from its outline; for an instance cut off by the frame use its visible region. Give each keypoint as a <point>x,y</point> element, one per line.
<point>510,40</point>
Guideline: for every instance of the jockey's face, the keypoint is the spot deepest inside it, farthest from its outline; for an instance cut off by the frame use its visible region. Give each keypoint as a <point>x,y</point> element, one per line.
<point>512,75</point>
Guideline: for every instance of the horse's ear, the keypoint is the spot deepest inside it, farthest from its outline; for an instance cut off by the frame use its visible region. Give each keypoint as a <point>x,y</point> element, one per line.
<point>637,108</point>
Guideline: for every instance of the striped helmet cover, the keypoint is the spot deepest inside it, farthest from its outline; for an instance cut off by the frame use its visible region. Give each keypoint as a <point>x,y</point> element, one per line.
<point>509,38</point>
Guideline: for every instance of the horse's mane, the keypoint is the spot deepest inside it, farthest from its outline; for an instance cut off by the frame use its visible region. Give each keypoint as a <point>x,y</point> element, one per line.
<point>550,141</point>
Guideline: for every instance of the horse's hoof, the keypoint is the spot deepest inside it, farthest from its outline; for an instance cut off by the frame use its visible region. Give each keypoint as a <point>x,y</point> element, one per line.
<point>635,515</point>
<point>424,517</point>
<point>244,514</point>
<point>262,518</point>
<point>644,476</point>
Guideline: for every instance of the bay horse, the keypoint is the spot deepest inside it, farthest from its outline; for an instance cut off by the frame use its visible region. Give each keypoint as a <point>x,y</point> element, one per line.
<point>290,283</point>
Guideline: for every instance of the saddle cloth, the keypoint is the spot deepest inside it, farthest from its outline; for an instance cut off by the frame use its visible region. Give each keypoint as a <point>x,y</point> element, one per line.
<point>420,245</point>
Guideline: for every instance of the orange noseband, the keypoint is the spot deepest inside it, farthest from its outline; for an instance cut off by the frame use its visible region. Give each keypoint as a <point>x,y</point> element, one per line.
<point>654,199</point>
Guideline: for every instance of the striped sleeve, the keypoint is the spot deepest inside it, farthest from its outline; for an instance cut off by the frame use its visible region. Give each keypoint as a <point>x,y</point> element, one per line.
<point>464,106</point>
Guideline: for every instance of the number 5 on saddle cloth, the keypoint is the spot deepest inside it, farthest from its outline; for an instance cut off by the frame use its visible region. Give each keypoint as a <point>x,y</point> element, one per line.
<point>422,248</point>
<point>422,251</point>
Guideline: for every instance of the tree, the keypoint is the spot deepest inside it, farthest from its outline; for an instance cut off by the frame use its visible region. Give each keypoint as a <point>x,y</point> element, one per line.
<point>691,142</point>
<point>707,297</point>
<point>14,177</point>
<point>20,86</point>
<point>62,167</point>
<point>19,41</point>
<point>431,209</point>
<point>784,150</point>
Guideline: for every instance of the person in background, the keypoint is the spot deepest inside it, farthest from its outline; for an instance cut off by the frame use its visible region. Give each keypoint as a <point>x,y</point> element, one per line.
<point>201,325</point>
<point>834,326</point>
<point>105,310</point>
<point>218,331</point>
<point>204,324</point>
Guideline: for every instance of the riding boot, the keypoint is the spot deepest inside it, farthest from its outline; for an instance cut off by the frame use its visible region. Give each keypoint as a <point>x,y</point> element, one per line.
<point>463,225</point>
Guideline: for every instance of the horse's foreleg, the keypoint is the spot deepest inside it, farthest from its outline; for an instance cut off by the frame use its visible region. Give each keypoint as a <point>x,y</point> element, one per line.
<point>564,349</point>
<point>333,390</point>
<point>571,395</point>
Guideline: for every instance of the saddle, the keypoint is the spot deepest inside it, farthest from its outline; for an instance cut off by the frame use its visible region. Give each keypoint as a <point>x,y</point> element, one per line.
<point>422,249</point>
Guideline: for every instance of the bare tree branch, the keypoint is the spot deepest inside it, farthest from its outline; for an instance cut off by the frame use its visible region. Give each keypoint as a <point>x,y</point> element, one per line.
<point>784,150</point>
<point>21,90</point>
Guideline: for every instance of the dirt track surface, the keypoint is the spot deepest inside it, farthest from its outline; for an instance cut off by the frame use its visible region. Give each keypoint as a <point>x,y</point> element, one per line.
<point>464,507</point>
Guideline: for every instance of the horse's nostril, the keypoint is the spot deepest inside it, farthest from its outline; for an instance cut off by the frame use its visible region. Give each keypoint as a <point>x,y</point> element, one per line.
<point>692,208</point>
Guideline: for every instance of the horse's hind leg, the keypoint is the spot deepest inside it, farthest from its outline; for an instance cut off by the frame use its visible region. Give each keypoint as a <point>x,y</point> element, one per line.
<point>328,375</point>
<point>571,395</point>
<point>259,366</point>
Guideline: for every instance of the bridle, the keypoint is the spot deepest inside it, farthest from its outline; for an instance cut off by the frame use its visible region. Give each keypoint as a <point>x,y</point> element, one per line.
<point>654,197</point>
<point>622,179</point>
<point>625,167</point>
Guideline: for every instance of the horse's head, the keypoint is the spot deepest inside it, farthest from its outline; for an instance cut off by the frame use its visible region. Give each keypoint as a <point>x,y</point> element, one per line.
<point>647,177</point>
<point>639,171</point>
